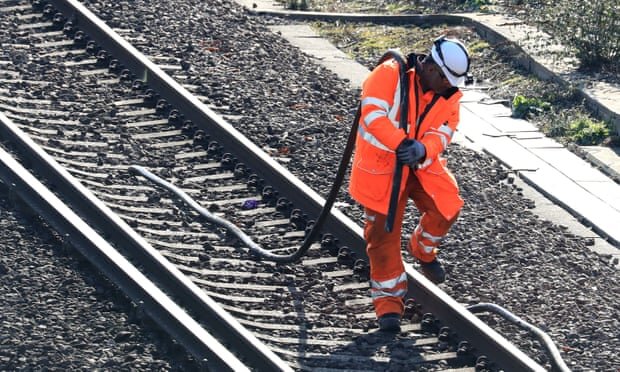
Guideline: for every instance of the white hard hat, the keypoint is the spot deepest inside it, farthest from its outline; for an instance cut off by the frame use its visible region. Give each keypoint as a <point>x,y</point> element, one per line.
<point>453,58</point>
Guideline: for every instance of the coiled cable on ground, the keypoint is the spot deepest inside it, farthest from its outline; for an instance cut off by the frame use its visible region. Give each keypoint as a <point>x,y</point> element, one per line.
<point>232,228</point>
<point>556,359</point>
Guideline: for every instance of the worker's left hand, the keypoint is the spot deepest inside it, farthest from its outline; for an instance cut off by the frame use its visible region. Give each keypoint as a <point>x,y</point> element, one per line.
<point>410,152</point>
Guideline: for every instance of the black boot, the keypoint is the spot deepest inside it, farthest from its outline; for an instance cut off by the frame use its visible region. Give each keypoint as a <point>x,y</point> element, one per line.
<point>389,322</point>
<point>433,271</point>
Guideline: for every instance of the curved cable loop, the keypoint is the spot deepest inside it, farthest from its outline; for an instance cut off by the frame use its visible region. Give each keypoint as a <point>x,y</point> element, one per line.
<point>255,248</point>
<point>556,359</point>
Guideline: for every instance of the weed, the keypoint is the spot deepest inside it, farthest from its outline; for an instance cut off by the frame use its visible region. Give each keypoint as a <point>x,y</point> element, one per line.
<point>522,106</point>
<point>478,46</point>
<point>595,31</point>
<point>478,4</point>
<point>552,111</point>
<point>297,4</point>
<point>585,131</point>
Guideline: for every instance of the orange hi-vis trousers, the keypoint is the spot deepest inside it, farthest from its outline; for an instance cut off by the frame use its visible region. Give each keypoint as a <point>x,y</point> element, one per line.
<point>388,281</point>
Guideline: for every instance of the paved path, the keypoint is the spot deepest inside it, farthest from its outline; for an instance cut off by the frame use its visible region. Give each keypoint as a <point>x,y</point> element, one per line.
<point>547,166</point>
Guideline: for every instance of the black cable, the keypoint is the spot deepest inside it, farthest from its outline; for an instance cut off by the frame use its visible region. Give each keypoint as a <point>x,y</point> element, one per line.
<point>344,162</point>
<point>402,124</point>
<point>255,248</point>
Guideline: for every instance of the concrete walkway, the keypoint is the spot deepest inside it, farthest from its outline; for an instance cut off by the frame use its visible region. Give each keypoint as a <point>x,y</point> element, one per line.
<point>531,48</point>
<point>551,169</point>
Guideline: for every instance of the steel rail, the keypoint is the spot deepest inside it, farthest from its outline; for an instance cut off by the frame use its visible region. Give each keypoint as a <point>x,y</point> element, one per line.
<point>161,308</point>
<point>201,307</point>
<point>432,299</point>
<point>98,215</point>
<point>466,325</point>
<point>193,109</point>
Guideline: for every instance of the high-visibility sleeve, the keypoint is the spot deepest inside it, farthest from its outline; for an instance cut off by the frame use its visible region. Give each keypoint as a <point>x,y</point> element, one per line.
<point>437,138</point>
<point>380,107</point>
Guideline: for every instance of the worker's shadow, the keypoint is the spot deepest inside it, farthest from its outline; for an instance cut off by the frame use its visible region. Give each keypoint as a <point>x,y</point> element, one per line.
<point>369,348</point>
<point>378,351</point>
<point>417,347</point>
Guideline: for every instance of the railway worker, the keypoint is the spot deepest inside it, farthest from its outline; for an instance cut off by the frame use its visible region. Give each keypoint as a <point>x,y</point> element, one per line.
<point>433,115</point>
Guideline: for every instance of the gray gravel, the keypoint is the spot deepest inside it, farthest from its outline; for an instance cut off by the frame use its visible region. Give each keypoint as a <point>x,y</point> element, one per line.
<point>58,313</point>
<point>499,251</point>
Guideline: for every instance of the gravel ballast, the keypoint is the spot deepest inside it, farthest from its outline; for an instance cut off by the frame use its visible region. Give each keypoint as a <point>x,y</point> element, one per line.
<point>58,313</point>
<point>499,251</point>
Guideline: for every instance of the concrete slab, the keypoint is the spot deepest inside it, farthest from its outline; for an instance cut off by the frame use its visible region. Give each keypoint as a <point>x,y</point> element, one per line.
<point>472,126</point>
<point>486,125</point>
<point>608,192</point>
<point>607,94</point>
<point>536,141</point>
<point>570,165</point>
<point>491,109</point>
<point>470,94</point>
<point>509,124</point>
<point>510,153</point>
<point>304,37</point>
<point>547,209</point>
<point>499,144</point>
<point>608,157</point>
<point>603,218</point>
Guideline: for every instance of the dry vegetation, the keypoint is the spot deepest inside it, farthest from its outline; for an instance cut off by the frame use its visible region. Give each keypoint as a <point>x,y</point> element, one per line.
<point>558,112</point>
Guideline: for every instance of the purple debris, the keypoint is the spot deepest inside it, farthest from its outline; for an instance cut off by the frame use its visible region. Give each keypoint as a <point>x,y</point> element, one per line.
<point>250,204</point>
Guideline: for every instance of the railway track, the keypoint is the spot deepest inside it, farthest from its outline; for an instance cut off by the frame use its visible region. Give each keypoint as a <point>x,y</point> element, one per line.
<point>94,104</point>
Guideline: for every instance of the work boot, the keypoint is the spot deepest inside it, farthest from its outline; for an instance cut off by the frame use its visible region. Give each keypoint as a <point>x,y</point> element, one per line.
<point>389,322</point>
<point>433,271</point>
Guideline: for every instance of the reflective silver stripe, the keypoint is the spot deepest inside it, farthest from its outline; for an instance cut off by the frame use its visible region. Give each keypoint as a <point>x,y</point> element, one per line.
<point>442,137</point>
<point>380,294</point>
<point>395,104</point>
<point>376,102</point>
<point>370,217</point>
<point>426,235</point>
<point>432,238</point>
<point>427,248</point>
<point>446,130</point>
<point>418,229</point>
<point>426,163</point>
<point>370,117</point>
<point>373,115</point>
<point>390,283</point>
<point>445,134</point>
<point>371,139</point>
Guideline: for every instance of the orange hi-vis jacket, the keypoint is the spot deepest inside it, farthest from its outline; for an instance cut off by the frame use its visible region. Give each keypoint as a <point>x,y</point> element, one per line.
<point>379,135</point>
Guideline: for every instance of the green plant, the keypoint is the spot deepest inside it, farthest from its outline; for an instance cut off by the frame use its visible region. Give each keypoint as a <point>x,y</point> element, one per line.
<point>523,106</point>
<point>478,47</point>
<point>585,131</point>
<point>592,28</point>
<point>297,4</point>
<point>481,5</point>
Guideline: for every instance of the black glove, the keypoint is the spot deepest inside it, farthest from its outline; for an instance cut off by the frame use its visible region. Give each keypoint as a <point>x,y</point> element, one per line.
<point>410,152</point>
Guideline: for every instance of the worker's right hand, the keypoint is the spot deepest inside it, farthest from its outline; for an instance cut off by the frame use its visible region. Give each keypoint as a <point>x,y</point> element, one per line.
<point>410,152</point>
